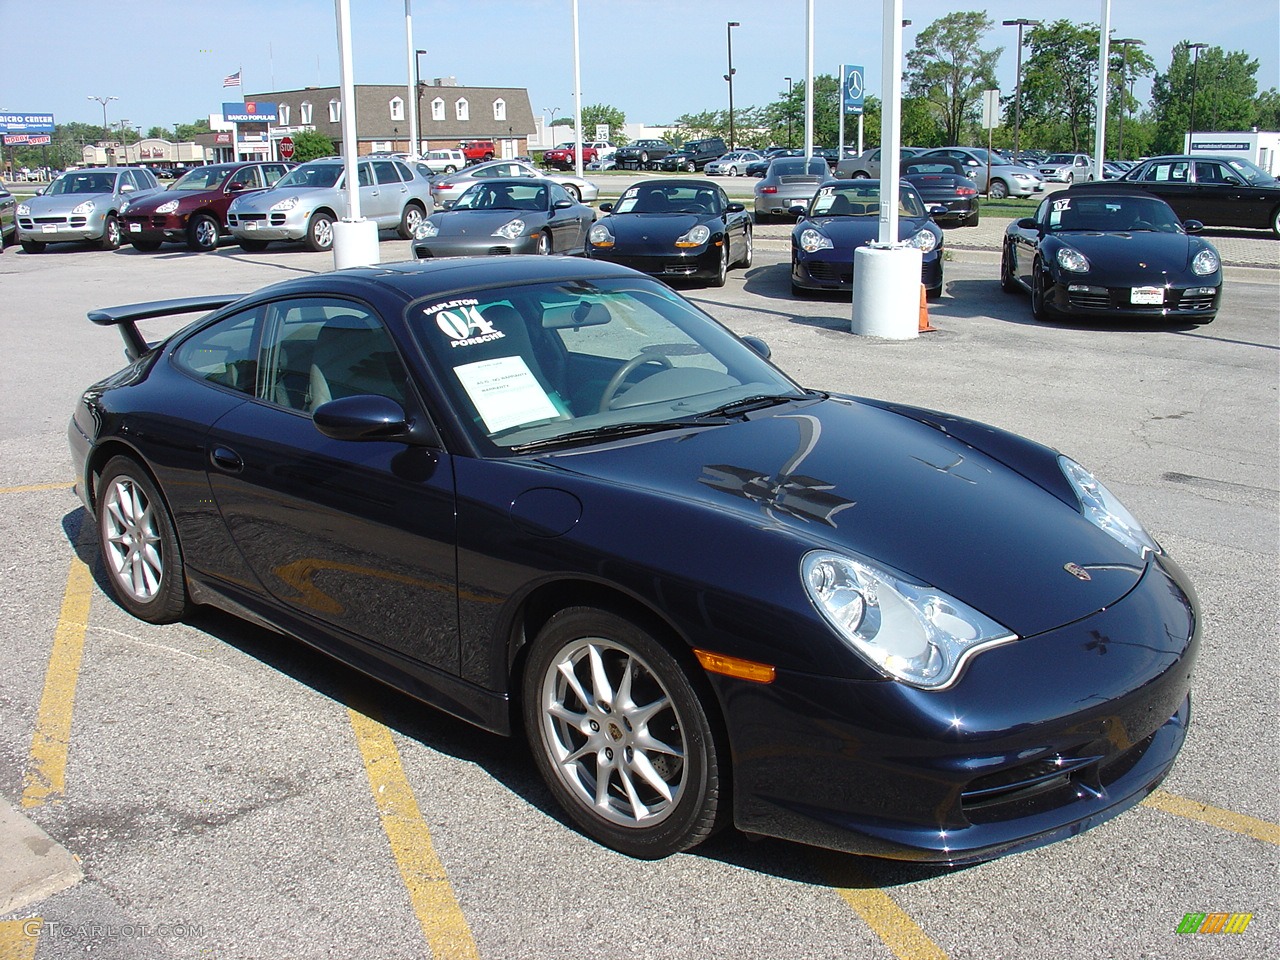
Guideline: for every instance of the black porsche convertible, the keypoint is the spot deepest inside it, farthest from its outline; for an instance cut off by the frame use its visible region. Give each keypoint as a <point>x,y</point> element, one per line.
<point>1114,252</point>
<point>674,229</point>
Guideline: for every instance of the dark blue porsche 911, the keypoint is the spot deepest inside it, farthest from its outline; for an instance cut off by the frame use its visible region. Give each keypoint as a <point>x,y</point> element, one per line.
<point>674,229</point>
<point>552,496</point>
<point>845,215</point>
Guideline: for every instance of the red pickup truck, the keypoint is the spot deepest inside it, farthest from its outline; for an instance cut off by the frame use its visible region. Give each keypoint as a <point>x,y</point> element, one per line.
<point>562,156</point>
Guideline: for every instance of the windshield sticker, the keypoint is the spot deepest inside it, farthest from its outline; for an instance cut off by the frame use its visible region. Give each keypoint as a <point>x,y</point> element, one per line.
<point>505,393</point>
<point>462,323</point>
<point>1060,205</point>
<point>827,192</point>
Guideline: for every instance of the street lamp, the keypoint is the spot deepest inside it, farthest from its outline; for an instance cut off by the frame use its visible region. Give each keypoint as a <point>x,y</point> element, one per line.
<point>729,76</point>
<point>417,86</point>
<point>1195,63</point>
<point>104,101</point>
<point>1124,46</point>
<point>788,79</point>
<point>1017,96</point>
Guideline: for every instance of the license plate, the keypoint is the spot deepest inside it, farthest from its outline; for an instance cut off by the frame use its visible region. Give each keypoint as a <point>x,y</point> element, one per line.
<point>1148,295</point>
<point>135,228</point>
<point>251,225</point>
<point>49,227</point>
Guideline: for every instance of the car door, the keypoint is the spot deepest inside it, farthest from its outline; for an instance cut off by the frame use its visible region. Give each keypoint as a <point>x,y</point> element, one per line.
<point>390,194</point>
<point>357,537</point>
<point>1220,196</point>
<point>568,225</point>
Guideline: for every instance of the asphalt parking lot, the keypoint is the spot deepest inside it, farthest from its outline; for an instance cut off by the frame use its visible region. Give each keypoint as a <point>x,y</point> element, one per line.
<point>208,789</point>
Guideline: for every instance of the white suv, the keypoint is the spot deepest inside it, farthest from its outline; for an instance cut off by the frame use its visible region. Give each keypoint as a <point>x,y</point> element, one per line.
<point>445,161</point>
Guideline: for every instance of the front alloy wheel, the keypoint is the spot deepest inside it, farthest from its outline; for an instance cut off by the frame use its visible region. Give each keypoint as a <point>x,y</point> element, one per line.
<point>620,735</point>
<point>320,232</point>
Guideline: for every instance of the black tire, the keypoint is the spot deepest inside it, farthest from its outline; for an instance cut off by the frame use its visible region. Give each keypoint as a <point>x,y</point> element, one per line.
<point>320,232</point>
<point>1069,177</point>
<point>451,169</point>
<point>1007,281</point>
<point>410,218</point>
<point>1275,221</point>
<point>140,549</point>
<point>543,248</point>
<point>253,246</point>
<point>749,254</point>
<point>33,246</point>
<point>972,219</point>
<point>722,274</point>
<point>690,167</point>
<point>644,160</point>
<point>202,233</point>
<point>860,175</point>
<point>629,753</point>
<point>574,193</point>
<point>1040,308</point>
<point>111,233</point>
<point>997,190</point>
<point>146,246</point>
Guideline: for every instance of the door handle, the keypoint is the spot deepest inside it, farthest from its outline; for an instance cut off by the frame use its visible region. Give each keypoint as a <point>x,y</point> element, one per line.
<point>226,459</point>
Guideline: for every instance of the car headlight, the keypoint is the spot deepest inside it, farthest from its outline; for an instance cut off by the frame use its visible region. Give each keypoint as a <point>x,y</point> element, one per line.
<point>288,203</point>
<point>426,230</point>
<point>924,241</point>
<point>600,236</point>
<point>911,631</point>
<point>1101,508</point>
<point>1072,260</point>
<point>696,237</point>
<point>24,210</point>
<point>511,230</point>
<point>85,208</point>
<point>1024,176</point>
<point>811,241</point>
<point>167,207</point>
<point>1204,263</point>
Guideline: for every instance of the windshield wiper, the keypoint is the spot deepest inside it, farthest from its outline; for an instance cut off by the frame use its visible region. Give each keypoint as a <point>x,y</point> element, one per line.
<point>615,431</point>
<point>756,402</point>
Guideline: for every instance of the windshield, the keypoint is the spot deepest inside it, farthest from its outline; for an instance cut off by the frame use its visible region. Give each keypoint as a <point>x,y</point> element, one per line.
<point>202,178</point>
<point>1252,173</point>
<point>1109,214</point>
<point>539,362</point>
<point>83,182</point>
<point>670,198</point>
<point>1061,158</point>
<point>861,198</point>
<point>503,194</point>
<point>312,175</point>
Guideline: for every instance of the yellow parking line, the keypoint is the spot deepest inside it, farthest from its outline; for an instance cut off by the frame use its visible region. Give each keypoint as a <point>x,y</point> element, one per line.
<point>46,775</point>
<point>887,920</point>
<point>18,938</point>
<point>430,892</point>
<point>37,487</point>
<point>1214,816</point>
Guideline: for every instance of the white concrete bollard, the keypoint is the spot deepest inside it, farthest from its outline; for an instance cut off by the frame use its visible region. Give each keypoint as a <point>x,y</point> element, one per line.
<point>355,243</point>
<point>886,292</point>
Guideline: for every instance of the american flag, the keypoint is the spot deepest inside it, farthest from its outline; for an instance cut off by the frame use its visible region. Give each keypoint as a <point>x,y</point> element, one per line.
<point>232,81</point>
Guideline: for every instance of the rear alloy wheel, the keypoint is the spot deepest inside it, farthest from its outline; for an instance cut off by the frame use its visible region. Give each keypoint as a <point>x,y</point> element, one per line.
<point>690,167</point>
<point>573,192</point>
<point>139,546</point>
<point>320,232</point>
<point>202,233</point>
<point>451,169</point>
<point>998,190</point>
<point>111,235</point>
<point>410,220</point>
<point>620,735</point>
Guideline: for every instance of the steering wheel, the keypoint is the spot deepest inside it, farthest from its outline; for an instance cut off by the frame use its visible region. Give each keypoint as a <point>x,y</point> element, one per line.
<point>648,355</point>
<point>1142,225</point>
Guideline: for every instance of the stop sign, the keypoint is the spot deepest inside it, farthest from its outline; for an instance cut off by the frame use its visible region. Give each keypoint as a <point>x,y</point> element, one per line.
<point>286,148</point>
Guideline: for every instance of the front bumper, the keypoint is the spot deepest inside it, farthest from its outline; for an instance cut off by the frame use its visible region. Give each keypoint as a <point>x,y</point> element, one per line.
<point>472,247</point>
<point>61,229</point>
<point>153,228</point>
<point>703,264</point>
<point>1075,298</point>
<point>821,272</point>
<point>1022,188</point>
<point>987,767</point>
<point>269,226</point>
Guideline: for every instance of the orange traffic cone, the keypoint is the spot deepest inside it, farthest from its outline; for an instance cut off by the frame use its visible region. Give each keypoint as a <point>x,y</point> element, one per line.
<point>924,313</point>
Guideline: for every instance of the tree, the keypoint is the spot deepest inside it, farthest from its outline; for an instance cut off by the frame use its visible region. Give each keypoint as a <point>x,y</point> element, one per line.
<point>598,113</point>
<point>1126,64</point>
<point>1225,91</point>
<point>1059,85</point>
<point>949,70</point>
<point>1267,114</point>
<point>310,144</point>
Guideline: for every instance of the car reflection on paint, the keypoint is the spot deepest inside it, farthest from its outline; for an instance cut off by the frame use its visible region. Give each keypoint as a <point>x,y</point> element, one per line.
<point>553,497</point>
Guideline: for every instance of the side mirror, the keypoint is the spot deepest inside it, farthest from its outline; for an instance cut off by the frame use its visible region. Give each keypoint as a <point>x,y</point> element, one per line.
<point>799,209</point>
<point>735,208</point>
<point>562,205</point>
<point>1192,226</point>
<point>364,417</point>
<point>937,210</point>
<point>758,345</point>
<point>1028,223</point>
<point>128,188</point>
<point>235,186</point>
<point>606,207</point>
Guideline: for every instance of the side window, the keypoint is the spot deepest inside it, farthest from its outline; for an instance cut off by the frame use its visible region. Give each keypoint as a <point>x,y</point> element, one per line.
<point>461,109</point>
<point>306,110</point>
<point>500,110</point>
<point>386,171</point>
<point>273,172</point>
<point>225,353</point>
<point>335,111</point>
<point>397,108</point>
<point>323,350</point>
<point>558,193</point>
<point>437,109</point>
<point>249,177</point>
<point>405,173</point>
<point>364,175</point>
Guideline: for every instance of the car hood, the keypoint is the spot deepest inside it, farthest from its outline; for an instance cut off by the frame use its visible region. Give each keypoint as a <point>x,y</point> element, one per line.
<point>480,223</point>
<point>848,232</point>
<point>264,201</point>
<point>66,202</point>
<point>186,199</point>
<point>1129,254</point>
<point>850,476</point>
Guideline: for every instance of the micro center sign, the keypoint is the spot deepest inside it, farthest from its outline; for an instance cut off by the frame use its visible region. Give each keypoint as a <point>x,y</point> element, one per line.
<point>26,122</point>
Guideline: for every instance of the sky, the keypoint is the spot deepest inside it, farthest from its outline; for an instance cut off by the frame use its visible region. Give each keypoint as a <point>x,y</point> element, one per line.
<point>165,60</point>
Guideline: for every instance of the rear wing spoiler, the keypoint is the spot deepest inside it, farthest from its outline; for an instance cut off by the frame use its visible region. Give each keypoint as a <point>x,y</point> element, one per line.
<point>126,317</point>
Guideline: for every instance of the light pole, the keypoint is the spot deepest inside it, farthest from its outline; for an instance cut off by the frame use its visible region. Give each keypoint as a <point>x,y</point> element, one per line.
<point>1017,96</point>
<point>1124,46</point>
<point>1195,63</point>
<point>417,86</point>
<point>729,76</point>
<point>788,79</point>
<point>106,132</point>
<point>551,126</point>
